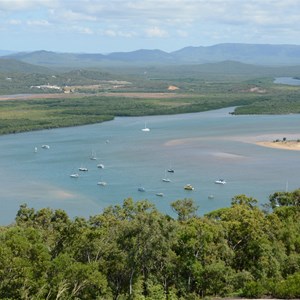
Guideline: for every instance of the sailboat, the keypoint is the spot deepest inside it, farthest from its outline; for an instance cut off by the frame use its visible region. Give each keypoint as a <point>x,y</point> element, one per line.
<point>146,129</point>
<point>103,183</point>
<point>166,179</point>
<point>220,181</point>
<point>93,156</point>
<point>74,175</point>
<point>159,194</point>
<point>171,170</point>
<point>83,169</point>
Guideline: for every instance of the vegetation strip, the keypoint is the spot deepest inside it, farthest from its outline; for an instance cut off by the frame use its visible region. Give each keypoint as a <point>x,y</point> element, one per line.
<point>132,251</point>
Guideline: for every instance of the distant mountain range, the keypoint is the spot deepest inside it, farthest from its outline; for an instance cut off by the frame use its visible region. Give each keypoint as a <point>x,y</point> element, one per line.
<point>257,54</point>
<point>14,66</point>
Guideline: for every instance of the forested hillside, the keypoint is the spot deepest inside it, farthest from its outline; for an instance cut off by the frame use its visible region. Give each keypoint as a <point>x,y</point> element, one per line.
<point>133,251</point>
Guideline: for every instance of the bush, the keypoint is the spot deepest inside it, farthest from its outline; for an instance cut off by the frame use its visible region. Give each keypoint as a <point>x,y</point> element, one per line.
<point>253,289</point>
<point>289,288</point>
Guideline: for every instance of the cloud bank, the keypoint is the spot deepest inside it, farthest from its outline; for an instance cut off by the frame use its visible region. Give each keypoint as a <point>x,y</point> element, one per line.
<point>114,23</point>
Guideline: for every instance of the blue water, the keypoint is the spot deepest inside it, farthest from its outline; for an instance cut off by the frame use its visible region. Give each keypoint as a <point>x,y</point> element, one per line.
<point>287,80</point>
<point>200,147</point>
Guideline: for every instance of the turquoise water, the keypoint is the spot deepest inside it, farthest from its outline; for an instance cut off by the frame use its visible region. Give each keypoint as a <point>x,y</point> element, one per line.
<point>200,147</point>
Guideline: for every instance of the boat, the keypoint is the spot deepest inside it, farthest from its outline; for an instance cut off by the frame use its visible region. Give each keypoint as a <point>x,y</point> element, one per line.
<point>35,149</point>
<point>141,189</point>
<point>220,181</point>
<point>93,156</point>
<point>100,166</point>
<point>188,187</point>
<point>83,169</point>
<point>211,197</point>
<point>103,183</point>
<point>74,175</point>
<point>146,129</point>
<point>166,179</point>
<point>45,146</point>
<point>171,170</point>
<point>159,194</point>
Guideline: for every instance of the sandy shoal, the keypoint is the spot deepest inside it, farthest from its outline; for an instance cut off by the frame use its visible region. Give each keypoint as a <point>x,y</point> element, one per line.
<point>287,145</point>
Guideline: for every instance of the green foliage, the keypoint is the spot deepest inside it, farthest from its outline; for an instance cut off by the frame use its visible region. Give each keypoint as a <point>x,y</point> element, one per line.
<point>254,289</point>
<point>132,251</point>
<point>288,288</point>
<point>201,88</point>
<point>184,208</point>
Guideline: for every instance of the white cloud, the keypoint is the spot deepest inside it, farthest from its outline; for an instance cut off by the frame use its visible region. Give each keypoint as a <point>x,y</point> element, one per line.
<point>21,5</point>
<point>156,32</point>
<point>37,23</point>
<point>83,30</point>
<point>194,21</point>
<point>110,33</point>
<point>70,16</point>
<point>118,33</point>
<point>14,22</point>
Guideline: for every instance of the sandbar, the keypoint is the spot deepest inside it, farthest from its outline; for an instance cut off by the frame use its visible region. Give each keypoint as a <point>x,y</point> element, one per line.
<point>285,145</point>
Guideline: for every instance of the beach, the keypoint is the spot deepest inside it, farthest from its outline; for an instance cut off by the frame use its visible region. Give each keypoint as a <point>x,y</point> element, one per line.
<point>285,145</point>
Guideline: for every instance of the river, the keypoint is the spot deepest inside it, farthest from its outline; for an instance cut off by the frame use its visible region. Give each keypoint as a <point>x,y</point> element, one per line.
<point>200,147</point>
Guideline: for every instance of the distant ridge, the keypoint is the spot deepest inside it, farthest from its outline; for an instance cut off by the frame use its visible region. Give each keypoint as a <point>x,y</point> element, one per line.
<point>15,66</point>
<point>257,54</point>
<point>261,54</point>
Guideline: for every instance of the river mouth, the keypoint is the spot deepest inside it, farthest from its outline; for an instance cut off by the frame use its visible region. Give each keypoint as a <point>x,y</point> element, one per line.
<point>200,147</point>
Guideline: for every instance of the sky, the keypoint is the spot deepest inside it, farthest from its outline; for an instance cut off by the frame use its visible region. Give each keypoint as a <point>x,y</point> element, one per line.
<point>105,26</point>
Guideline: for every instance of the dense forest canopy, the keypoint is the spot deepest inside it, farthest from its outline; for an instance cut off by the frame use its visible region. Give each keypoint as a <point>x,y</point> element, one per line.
<point>132,251</point>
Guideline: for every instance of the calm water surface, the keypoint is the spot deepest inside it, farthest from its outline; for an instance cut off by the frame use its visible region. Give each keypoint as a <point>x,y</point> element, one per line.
<point>200,147</point>
<point>287,80</point>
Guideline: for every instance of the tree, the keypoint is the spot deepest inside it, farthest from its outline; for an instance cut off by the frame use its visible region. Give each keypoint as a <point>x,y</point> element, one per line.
<point>184,208</point>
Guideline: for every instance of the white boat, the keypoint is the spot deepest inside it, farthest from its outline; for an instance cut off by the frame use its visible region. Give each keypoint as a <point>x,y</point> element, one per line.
<point>166,179</point>
<point>188,187</point>
<point>83,169</point>
<point>159,194</point>
<point>146,129</point>
<point>35,149</point>
<point>211,197</point>
<point>220,181</point>
<point>103,183</point>
<point>45,146</point>
<point>93,156</point>
<point>74,175</point>
<point>141,189</point>
<point>100,166</point>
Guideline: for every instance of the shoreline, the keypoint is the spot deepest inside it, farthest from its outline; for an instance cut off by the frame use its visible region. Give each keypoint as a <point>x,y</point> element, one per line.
<point>291,145</point>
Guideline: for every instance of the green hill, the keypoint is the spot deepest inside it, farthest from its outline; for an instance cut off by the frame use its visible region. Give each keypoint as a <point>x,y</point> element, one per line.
<point>16,66</point>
